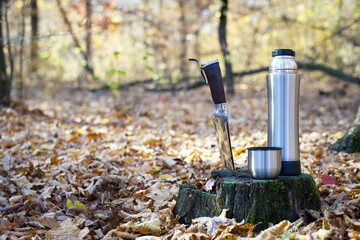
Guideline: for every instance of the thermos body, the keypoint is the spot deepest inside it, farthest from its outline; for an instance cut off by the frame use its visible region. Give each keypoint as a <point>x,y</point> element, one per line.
<point>283,86</point>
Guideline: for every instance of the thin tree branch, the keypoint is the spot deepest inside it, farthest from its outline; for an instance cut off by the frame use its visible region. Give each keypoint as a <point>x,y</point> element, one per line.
<point>339,31</point>
<point>308,66</point>
<point>75,39</point>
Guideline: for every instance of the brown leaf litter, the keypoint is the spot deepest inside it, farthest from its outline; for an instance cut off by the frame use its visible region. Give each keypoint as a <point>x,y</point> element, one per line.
<point>122,160</point>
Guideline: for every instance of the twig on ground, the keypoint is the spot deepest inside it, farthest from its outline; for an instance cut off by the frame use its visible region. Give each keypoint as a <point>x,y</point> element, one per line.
<point>12,207</point>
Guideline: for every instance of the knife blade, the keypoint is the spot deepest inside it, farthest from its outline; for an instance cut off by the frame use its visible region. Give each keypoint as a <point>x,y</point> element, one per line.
<point>212,74</point>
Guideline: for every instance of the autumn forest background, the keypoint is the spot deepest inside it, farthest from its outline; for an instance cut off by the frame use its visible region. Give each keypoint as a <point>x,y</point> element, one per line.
<point>103,117</point>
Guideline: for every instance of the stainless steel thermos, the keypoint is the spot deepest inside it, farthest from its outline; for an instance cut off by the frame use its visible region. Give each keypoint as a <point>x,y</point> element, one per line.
<point>283,86</point>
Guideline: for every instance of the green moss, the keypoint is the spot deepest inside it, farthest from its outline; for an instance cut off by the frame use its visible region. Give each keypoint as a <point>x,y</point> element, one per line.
<point>270,204</point>
<point>355,143</point>
<point>307,175</point>
<point>271,201</point>
<point>219,201</point>
<point>222,173</point>
<point>299,188</point>
<point>315,202</point>
<point>219,206</point>
<point>188,185</point>
<point>230,180</point>
<point>250,218</point>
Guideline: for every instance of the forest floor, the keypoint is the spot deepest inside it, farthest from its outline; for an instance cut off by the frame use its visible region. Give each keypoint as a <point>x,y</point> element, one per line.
<point>85,165</point>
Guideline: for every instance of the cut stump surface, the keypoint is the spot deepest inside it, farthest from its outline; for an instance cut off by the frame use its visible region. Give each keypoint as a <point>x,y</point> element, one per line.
<point>252,200</point>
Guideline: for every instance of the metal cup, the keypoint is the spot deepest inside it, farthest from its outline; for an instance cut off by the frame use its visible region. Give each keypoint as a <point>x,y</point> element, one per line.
<point>264,162</point>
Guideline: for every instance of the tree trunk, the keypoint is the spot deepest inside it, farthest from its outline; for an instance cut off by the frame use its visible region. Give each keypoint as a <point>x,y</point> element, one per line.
<point>183,65</point>
<point>3,75</point>
<point>34,47</point>
<point>10,58</point>
<point>88,34</point>
<point>350,142</point>
<point>224,47</point>
<point>21,53</point>
<point>197,42</point>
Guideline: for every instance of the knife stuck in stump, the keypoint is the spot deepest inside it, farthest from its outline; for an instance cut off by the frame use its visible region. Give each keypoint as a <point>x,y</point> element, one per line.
<point>211,73</point>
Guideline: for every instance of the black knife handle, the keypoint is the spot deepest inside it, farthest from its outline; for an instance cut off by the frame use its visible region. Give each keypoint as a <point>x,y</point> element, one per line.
<point>214,78</point>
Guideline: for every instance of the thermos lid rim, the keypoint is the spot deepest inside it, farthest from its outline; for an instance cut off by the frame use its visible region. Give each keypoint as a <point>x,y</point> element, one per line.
<point>283,52</point>
<point>264,148</point>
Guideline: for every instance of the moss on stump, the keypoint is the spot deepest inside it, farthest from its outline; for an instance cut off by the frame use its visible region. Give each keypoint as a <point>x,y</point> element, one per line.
<point>265,201</point>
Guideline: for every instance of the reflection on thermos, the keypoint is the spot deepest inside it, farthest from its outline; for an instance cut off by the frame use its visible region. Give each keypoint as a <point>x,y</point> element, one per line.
<point>283,85</point>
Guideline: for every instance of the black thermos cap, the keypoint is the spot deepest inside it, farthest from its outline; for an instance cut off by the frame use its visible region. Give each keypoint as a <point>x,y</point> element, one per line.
<point>283,52</point>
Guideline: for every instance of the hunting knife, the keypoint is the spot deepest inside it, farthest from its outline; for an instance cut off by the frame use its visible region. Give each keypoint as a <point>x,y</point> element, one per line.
<point>212,75</point>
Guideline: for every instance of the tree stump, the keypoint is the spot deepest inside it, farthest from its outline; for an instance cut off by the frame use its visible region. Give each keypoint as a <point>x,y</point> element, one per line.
<point>252,200</point>
<point>350,142</point>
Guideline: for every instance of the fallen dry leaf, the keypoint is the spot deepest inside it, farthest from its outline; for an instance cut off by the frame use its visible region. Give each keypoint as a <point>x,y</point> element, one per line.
<point>241,229</point>
<point>209,185</point>
<point>211,224</point>
<point>150,227</point>
<point>67,231</point>
<point>329,180</point>
<point>354,235</point>
<point>274,231</point>
<point>192,236</point>
<point>47,220</point>
<point>320,234</point>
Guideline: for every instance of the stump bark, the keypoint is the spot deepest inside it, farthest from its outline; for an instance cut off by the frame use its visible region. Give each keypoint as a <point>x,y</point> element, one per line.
<point>350,142</point>
<point>252,200</point>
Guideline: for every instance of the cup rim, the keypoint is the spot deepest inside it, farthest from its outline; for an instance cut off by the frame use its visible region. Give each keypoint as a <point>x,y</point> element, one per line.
<point>268,148</point>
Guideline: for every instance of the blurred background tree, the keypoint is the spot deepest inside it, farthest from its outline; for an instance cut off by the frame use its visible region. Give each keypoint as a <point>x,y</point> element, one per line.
<point>3,73</point>
<point>118,43</point>
<point>68,41</point>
